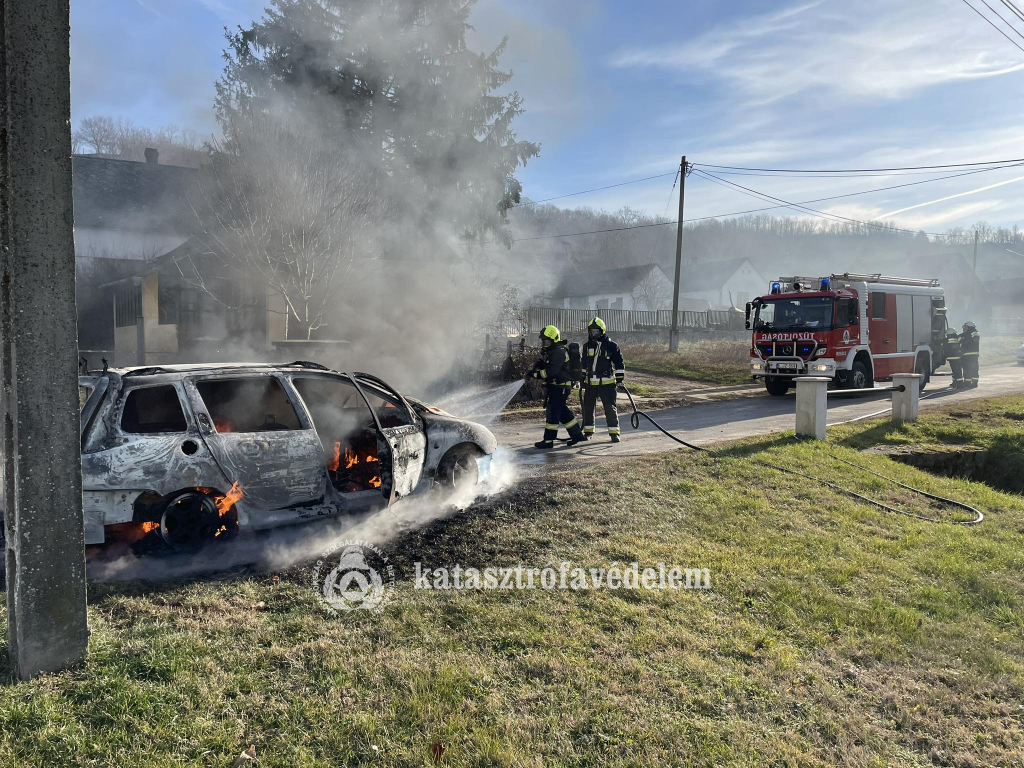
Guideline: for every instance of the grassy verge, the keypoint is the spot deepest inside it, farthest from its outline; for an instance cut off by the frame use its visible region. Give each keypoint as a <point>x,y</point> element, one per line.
<point>834,634</point>
<point>715,362</point>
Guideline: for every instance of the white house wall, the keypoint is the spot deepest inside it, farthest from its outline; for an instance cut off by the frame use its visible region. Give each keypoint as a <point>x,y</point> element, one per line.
<point>97,242</point>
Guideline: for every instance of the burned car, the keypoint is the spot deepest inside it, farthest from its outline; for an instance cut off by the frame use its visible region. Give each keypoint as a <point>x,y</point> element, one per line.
<point>199,451</point>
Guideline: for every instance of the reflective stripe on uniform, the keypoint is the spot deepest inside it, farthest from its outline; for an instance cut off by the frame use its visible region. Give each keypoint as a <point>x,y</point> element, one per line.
<point>614,431</point>
<point>589,430</point>
<point>966,354</point>
<point>543,373</point>
<point>570,424</point>
<point>621,371</point>
<point>600,382</point>
<point>551,426</point>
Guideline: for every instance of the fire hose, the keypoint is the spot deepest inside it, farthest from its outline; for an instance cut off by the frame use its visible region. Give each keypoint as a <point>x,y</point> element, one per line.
<point>979,516</point>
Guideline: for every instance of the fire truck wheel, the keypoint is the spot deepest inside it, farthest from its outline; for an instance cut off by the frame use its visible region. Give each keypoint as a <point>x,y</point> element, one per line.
<point>859,378</point>
<point>921,367</point>
<point>777,387</point>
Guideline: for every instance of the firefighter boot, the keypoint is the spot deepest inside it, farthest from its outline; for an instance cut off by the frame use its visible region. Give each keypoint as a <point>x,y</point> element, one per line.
<point>616,438</point>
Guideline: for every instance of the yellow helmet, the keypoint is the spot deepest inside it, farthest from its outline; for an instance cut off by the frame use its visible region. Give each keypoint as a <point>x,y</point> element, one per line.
<point>550,332</point>
<point>597,322</point>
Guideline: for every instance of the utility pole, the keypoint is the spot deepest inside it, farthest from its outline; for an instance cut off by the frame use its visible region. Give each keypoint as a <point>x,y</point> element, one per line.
<point>673,335</point>
<point>42,477</point>
<point>974,269</point>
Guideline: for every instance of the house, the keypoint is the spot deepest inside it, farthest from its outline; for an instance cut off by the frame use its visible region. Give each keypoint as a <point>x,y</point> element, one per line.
<point>722,284</point>
<point>126,212</point>
<point>645,286</point>
<point>1005,298</point>
<point>965,293</point>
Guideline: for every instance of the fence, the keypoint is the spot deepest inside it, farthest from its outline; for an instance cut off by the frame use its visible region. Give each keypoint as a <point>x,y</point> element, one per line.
<point>631,320</point>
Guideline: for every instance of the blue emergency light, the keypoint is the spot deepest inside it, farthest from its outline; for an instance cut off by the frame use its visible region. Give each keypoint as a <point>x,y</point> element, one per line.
<point>776,287</point>
<point>825,283</point>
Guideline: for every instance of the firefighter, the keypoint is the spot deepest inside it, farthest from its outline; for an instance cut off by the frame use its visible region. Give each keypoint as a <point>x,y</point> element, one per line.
<point>604,370</point>
<point>553,369</point>
<point>954,359</point>
<point>970,344</point>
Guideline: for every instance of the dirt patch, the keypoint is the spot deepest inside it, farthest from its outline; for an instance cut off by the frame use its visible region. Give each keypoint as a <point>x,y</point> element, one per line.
<point>965,461</point>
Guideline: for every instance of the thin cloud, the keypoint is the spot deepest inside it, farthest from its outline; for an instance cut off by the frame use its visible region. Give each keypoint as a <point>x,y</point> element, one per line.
<point>952,197</point>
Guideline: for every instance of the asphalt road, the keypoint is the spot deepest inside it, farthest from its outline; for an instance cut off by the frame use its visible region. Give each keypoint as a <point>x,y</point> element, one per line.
<point>711,422</point>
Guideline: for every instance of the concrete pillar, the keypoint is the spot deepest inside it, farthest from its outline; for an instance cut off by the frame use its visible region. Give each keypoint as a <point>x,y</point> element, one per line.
<point>904,404</point>
<point>42,467</point>
<point>811,406</point>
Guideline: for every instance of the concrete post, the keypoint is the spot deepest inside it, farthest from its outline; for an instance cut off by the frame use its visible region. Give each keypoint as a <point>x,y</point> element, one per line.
<point>904,404</point>
<point>42,467</point>
<point>811,406</point>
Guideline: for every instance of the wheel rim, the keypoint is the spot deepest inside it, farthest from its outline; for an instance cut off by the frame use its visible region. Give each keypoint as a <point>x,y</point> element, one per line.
<point>189,520</point>
<point>464,472</point>
<point>860,379</point>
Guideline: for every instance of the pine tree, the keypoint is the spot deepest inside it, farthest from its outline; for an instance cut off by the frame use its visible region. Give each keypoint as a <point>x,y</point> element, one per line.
<point>396,80</point>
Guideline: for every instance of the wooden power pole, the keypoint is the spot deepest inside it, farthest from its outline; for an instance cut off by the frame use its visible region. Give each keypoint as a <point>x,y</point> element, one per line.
<point>673,335</point>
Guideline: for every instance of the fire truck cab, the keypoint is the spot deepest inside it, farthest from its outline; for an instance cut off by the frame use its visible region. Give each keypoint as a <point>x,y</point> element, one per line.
<point>853,328</point>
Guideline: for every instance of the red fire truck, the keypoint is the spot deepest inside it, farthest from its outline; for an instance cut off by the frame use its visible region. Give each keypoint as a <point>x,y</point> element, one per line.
<point>856,329</point>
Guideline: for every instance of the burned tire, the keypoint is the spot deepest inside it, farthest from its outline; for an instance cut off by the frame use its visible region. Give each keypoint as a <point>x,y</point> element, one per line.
<point>777,387</point>
<point>190,520</point>
<point>458,469</point>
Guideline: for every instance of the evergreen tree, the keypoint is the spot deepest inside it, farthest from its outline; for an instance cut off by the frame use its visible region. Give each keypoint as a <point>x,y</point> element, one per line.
<point>396,80</point>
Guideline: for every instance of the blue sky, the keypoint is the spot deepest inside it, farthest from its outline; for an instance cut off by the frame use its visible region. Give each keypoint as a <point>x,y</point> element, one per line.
<point>619,90</point>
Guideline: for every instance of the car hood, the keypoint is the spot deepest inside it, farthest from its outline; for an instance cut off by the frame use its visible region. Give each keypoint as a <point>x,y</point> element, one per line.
<point>452,430</point>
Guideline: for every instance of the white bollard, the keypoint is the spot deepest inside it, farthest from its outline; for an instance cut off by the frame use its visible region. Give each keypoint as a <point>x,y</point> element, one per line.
<point>904,404</point>
<point>811,406</point>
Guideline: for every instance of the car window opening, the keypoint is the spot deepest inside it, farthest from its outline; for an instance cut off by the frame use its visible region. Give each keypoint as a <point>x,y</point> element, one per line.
<point>153,410</point>
<point>347,432</point>
<point>257,404</point>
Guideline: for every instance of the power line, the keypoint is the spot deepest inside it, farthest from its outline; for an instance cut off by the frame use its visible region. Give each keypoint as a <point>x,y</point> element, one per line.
<point>1000,17</point>
<point>865,170</point>
<point>992,24</point>
<point>595,189</point>
<point>798,206</point>
<point>663,215</point>
<point>851,175</point>
<point>775,207</point>
<point>1014,9</point>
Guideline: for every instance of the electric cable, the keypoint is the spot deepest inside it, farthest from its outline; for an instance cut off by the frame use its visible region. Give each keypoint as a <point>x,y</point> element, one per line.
<point>812,211</point>
<point>1014,9</point>
<point>1000,17</point>
<point>979,516</point>
<point>862,170</point>
<point>595,189</point>
<point>992,24</point>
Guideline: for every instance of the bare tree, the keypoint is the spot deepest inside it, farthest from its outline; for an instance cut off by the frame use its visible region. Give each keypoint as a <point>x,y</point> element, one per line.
<point>124,140</point>
<point>651,292</point>
<point>285,208</point>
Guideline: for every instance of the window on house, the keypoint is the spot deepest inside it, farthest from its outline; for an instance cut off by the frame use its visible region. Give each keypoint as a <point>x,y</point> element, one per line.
<point>878,306</point>
<point>127,304</point>
<point>256,404</point>
<point>167,303</point>
<point>153,410</point>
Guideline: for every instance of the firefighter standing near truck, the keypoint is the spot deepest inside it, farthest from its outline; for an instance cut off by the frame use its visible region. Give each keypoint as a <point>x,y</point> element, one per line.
<point>604,370</point>
<point>970,345</point>
<point>954,359</point>
<point>553,369</point>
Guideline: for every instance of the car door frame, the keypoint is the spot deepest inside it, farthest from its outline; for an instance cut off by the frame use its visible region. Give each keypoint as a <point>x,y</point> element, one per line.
<point>409,440</point>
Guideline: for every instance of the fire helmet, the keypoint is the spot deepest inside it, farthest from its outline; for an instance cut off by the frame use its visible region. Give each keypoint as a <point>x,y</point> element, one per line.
<point>597,323</point>
<point>550,332</point>
<point>970,324</point>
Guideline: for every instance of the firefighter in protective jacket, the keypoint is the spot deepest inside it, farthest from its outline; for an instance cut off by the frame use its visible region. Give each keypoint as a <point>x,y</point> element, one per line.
<point>970,345</point>
<point>954,359</point>
<point>553,369</point>
<point>604,370</point>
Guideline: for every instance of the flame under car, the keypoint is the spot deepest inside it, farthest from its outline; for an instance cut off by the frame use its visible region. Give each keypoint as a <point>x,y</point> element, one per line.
<point>197,452</point>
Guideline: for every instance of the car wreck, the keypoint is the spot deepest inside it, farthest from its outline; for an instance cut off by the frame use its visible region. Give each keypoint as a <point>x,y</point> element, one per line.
<point>198,452</point>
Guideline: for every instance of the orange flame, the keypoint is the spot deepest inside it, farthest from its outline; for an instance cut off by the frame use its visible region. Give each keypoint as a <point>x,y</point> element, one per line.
<point>224,503</point>
<point>152,526</point>
<point>223,425</point>
<point>336,461</point>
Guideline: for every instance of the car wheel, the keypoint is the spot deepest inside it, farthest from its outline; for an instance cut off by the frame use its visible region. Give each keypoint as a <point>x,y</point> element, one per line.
<point>190,520</point>
<point>459,469</point>
<point>776,387</point>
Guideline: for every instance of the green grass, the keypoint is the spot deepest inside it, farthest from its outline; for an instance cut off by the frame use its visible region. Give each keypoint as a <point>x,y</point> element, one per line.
<point>720,362</point>
<point>998,349</point>
<point>834,634</point>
